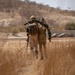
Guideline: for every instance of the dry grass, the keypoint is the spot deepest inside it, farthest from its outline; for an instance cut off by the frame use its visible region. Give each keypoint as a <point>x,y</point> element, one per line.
<point>61,57</point>
<point>15,60</point>
<point>13,57</point>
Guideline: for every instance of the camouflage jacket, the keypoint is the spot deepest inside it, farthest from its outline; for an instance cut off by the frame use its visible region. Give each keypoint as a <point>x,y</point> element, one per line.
<point>41,23</point>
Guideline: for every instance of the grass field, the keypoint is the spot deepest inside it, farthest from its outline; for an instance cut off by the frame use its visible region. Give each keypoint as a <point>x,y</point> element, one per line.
<point>61,57</point>
<point>15,59</point>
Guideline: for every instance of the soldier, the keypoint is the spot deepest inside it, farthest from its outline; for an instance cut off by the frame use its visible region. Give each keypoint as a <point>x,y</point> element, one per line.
<point>42,38</point>
<point>32,33</point>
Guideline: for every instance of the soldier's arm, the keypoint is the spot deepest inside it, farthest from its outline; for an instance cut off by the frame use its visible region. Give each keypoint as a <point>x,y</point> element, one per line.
<point>47,27</point>
<point>43,23</point>
<point>49,32</point>
<point>28,22</point>
<point>34,20</point>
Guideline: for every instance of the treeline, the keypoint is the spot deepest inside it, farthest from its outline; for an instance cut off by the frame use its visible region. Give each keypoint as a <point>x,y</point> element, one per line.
<point>9,4</point>
<point>27,8</point>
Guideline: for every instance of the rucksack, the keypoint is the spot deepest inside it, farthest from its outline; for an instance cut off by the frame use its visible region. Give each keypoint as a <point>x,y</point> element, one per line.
<point>32,28</point>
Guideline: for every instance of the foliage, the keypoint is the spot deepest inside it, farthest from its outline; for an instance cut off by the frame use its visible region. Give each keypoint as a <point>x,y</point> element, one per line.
<point>15,30</point>
<point>70,26</point>
<point>22,28</point>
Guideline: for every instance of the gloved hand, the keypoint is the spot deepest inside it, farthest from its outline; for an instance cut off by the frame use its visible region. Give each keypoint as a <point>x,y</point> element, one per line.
<point>49,39</point>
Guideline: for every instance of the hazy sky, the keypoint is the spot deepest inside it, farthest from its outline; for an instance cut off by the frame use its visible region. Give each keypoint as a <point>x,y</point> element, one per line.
<point>64,4</point>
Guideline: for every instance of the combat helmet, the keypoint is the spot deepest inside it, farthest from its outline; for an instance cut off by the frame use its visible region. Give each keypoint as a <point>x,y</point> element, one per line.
<point>32,17</point>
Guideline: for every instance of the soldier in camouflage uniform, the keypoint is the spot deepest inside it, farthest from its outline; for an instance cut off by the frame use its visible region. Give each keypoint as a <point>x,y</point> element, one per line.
<point>32,33</point>
<point>42,38</point>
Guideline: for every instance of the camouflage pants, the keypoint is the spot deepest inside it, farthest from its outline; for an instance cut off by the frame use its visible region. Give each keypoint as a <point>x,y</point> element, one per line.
<point>42,45</point>
<point>33,41</point>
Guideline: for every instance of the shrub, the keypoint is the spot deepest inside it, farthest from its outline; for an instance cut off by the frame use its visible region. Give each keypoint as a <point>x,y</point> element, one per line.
<point>15,30</point>
<point>22,28</point>
<point>70,26</point>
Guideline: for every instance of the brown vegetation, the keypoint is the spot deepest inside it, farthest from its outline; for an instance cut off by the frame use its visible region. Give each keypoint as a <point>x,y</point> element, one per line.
<point>61,60</point>
<point>15,60</point>
<point>55,17</point>
<point>13,57</point>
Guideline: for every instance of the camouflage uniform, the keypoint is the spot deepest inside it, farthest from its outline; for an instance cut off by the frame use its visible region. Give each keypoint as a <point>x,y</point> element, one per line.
<point>42,37</point>
<point>32,32</point>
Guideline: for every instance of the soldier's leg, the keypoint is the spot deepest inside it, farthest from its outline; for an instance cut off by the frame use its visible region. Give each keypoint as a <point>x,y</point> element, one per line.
<point>36,50</point>
<point>41,52</point>
<point>32,50</point>
<point>36,46</point>
<point>44,48</point>
<point>31,44</point>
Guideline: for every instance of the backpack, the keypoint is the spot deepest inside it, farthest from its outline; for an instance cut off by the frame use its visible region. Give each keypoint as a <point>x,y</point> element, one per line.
<point>32,28</point>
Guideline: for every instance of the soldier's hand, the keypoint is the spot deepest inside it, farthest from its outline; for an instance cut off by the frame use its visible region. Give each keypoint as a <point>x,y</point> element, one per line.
<point>49,39</point>
<point>25,23</point>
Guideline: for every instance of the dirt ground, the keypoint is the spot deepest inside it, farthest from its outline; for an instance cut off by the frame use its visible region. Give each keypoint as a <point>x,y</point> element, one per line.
<point>16,59</point>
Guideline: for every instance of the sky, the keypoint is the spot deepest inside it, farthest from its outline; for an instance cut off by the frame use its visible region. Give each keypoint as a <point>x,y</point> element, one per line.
<point>63,4</point>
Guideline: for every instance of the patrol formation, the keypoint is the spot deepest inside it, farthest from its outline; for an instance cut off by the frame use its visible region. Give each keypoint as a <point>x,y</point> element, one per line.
<point>36,36</point>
